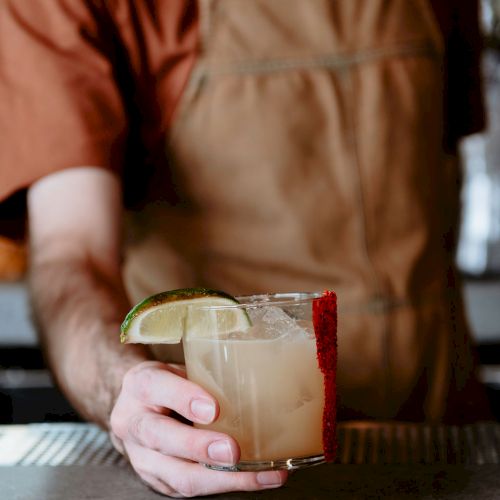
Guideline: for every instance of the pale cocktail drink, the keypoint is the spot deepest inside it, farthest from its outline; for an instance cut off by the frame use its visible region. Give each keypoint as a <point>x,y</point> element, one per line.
<point>259,361</point>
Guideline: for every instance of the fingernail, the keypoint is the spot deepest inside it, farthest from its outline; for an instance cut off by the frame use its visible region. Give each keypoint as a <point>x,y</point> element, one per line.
<point>203,410</point>
<point>220,451</point>
<point>269,478</point>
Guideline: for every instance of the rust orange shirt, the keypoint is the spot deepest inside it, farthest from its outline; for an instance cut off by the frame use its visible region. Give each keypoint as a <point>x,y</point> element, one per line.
<point>83,80</point>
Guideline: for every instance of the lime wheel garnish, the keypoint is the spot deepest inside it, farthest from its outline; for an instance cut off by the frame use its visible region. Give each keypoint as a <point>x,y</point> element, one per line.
<point>166,317</point>
<point>325,329</point>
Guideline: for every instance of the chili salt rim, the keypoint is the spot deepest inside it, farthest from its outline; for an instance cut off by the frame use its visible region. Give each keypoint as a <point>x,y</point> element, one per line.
<point>325,329</point>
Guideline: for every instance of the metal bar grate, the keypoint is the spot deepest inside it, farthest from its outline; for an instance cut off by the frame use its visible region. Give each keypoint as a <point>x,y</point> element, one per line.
<point>359,443</point>
<point>56,444</point>
<point>371,443</point>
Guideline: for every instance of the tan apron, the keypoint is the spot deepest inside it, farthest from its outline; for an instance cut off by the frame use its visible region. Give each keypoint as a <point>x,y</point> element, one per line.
<point>307,155</point>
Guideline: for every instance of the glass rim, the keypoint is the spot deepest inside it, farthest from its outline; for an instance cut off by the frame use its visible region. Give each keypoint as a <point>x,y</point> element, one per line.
<point>266,299</point>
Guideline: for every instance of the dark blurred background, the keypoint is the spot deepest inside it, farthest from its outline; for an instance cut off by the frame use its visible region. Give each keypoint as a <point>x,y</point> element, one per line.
<point>27,393</point>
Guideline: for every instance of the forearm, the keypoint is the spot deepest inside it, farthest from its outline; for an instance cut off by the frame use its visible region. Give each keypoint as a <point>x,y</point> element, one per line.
<point>78,311</point>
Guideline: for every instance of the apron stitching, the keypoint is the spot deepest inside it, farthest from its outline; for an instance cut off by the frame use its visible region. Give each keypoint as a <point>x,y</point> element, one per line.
<point>332,61</point>
<point>206,67</point>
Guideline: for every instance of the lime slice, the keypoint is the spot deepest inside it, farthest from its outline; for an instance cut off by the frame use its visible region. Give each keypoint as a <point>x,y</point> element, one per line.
<point>165,317</point>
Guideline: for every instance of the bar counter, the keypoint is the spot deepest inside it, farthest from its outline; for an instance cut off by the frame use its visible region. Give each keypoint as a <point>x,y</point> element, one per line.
<point>390,461</point>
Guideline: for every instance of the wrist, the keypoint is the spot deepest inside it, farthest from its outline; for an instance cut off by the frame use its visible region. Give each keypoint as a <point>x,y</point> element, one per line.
<point>93,368</point>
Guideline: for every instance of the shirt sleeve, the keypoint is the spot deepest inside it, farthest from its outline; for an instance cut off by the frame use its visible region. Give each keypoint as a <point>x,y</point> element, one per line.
<point>59,103</point>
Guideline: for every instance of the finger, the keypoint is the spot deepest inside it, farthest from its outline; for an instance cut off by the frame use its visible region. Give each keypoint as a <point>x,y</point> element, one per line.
<point>117,443</point>
<point>188,479</point>
<point>156,484</point>
<point>153,384</point>
<point>170,437</point>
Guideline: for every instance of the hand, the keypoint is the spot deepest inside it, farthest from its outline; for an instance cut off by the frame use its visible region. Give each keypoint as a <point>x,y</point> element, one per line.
<point>165,452</point>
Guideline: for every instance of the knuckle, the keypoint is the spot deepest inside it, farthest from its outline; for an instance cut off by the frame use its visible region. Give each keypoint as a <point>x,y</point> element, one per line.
<point>144,379</point>
<point>143,430</point>
<point>156,484</point>
<point>185,486</point>
<point>167,490</point>
<point>138,381</point>
<point>129,379</point>
<point>136,428</point>
<point>117,423</point>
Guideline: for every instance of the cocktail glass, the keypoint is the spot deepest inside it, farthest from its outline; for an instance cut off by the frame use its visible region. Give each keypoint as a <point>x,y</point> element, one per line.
<point>258,358</point>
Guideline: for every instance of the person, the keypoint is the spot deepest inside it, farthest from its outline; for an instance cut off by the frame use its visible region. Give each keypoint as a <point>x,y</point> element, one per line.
<point>258,146</point>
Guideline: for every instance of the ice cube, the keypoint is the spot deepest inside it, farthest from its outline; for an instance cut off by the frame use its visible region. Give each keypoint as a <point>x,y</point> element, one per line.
<point>307,328</point>
<point>272,323</point>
